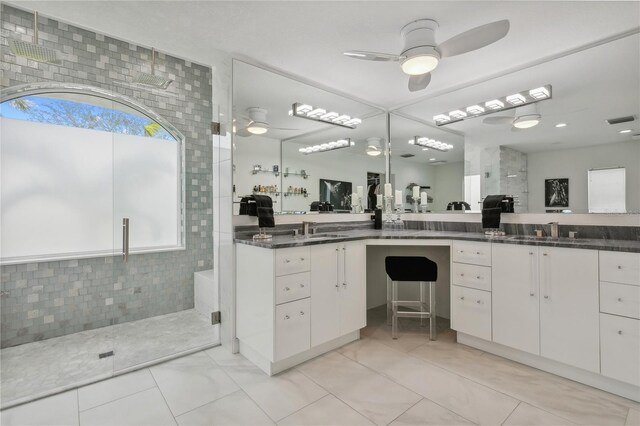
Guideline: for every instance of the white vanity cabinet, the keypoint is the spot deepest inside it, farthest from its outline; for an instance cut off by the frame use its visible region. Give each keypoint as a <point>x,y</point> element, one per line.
<point>545,302</point>
<point>338,290</point>
<point>471,288</point>
<point>620,316</point>
<point>296,303</point>
<point>516,297</point>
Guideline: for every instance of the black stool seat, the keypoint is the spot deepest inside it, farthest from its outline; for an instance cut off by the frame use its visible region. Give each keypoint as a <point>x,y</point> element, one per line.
<point>411,268</point>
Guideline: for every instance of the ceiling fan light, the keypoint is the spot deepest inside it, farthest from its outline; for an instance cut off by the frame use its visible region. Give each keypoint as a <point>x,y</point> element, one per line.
<point>373,151</point>
<point>257,128</point>
<point>526,121</point>
<point>420,60</point>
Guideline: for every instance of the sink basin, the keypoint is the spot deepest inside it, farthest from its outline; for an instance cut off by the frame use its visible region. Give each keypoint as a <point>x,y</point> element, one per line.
<point>326,236</point>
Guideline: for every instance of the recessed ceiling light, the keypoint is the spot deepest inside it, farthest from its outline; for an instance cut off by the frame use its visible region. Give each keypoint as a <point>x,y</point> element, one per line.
<point>425,149</point>
<point>561,125</point>
<point>625,131</point>
<point>432,159</point>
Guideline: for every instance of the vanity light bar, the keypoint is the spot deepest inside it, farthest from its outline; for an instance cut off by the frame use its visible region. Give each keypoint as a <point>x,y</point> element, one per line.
<point>320,114</point>
<point>329,146</point>
<point>499,104</point>
<point>430,143</point>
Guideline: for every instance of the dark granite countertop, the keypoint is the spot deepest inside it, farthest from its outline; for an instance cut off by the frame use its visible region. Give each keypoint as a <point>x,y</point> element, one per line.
<point>284,241</point>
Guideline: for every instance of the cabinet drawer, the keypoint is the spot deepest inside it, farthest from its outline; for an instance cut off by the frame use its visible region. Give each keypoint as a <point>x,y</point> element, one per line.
<point>293,287</point>
<point>473,276</point>
<point>620,348</point>
<point>471,311</point>
<point>472,252</point>
<point>292,328</point>
<point>292,260</point>
<point>620,299</point>
<point>619,267</point>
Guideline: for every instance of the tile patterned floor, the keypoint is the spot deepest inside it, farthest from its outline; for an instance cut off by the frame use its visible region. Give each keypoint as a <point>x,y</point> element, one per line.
<point>376,380</point>
<point>39,368</point>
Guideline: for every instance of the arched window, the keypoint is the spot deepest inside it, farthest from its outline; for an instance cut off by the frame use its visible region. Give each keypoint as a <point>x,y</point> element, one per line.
<point>74,161</point>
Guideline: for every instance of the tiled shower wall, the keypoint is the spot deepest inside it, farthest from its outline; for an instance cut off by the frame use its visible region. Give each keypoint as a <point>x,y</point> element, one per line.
<point>48,299</point>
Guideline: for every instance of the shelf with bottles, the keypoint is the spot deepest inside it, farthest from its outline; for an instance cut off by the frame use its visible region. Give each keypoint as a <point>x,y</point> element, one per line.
<point>275,170</point>
<point>293,191</point>
<point>302,173</point>
<point>266,190</point>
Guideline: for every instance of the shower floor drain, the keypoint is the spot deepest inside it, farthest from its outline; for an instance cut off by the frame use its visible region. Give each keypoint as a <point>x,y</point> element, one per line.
<point>105,354</point>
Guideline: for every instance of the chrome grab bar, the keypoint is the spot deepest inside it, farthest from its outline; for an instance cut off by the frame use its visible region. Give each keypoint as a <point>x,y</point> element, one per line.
<point>125,239</point>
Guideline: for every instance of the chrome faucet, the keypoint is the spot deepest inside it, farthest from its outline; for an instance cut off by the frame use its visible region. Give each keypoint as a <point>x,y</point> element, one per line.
<point>306,228</point>
<point>554,229</point>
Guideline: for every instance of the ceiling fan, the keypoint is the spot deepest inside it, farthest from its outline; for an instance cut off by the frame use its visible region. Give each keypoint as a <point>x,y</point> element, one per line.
<point>525,117</point>
<point>421,54</point>
<point>257,123</point>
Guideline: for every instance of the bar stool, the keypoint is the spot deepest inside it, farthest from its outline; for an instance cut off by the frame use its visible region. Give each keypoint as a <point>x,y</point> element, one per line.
<point>411,268</point>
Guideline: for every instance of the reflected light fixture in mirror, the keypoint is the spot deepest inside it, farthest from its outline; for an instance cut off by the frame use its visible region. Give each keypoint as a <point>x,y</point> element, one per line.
<point>527,117</point>
<point>430,143</point>
<point>374,147</point>
<point>329,146</point>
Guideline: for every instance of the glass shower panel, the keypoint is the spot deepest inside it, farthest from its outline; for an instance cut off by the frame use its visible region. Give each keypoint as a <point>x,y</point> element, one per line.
<point>56,198</point>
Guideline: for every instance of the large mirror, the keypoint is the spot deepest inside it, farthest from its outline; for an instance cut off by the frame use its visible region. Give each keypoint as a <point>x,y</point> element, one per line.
<point>573,160</point>
<point>268,139</point>
<point>438,173</point>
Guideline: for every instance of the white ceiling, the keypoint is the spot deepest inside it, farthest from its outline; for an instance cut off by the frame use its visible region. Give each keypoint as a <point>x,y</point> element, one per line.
<point>307,38</point>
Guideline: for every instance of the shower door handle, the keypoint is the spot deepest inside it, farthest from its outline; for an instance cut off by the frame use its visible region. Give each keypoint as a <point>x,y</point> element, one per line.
<point>125,239</point>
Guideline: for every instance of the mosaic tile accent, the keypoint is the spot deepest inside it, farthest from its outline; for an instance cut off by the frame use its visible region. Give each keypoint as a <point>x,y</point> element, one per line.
<point>49,299</point>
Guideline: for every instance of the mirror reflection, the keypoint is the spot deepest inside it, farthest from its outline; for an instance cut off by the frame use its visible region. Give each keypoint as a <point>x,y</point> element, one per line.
<point>438,173</point>
<point>305,165</point>
<point>580,156</point>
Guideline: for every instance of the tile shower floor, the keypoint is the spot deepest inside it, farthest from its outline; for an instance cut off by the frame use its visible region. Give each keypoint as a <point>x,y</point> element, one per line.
<point>375,380</point>
<point>42,368</point>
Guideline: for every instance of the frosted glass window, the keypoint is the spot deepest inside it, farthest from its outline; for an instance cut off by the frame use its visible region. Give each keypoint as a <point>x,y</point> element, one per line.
<point>72,170</point>
<point>607,190</point>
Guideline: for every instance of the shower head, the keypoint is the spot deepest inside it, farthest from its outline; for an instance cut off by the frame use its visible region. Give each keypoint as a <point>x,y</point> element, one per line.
<point>33,50</point>
<point>152,80</point>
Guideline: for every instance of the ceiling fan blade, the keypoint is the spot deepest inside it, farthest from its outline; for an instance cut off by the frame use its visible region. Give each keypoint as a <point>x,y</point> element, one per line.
<point>371,56</point>
<point>419,82</point>
<point>474,39</point>
<point>243,132</point>
<point>498,120</point>
<point>280,128</point>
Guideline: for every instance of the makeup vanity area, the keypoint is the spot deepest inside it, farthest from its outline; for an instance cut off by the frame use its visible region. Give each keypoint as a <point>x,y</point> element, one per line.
<point>569,306</point>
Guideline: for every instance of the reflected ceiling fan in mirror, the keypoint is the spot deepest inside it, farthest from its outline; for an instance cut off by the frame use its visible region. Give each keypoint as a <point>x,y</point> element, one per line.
<point>525,117</point>
<point>421,54</point>
<point>256,123</point>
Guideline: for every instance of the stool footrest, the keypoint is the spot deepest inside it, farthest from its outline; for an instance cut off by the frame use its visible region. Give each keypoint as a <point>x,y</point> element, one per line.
<point>413,314</point>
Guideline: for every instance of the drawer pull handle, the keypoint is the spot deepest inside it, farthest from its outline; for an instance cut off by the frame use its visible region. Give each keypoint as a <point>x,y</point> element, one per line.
<point>619,299</point>
<point>287,317</point>
<point>460,251</point>
<point>302,259</point>
<point>344,285</point>
<point>546,297</point>
<point>619,267</point>
<point>545,254</point>
<point>478,253</point>
<point>478,277</point>
<point>530,253</point>
<point>301,285</point>
<point>461,297</point>
<point>620,332</point>
<point>301,312</point>
<point>462,275</point>
<point>287,289</point>
<point>337,285</point>
<point>532,294</point>
<point>287,261</point>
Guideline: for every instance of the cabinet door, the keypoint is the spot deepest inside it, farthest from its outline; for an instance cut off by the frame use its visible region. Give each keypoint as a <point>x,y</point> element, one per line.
<point>516,303</point>
<point>325,293</point>
<point>471,311</point>
<point>620,348</point>
<point>569,317</point>
<point>353,304</point>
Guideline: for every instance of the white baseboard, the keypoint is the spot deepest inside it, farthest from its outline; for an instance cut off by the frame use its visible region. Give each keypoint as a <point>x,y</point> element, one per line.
<point>272,368</point>
<point>589,378</point>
